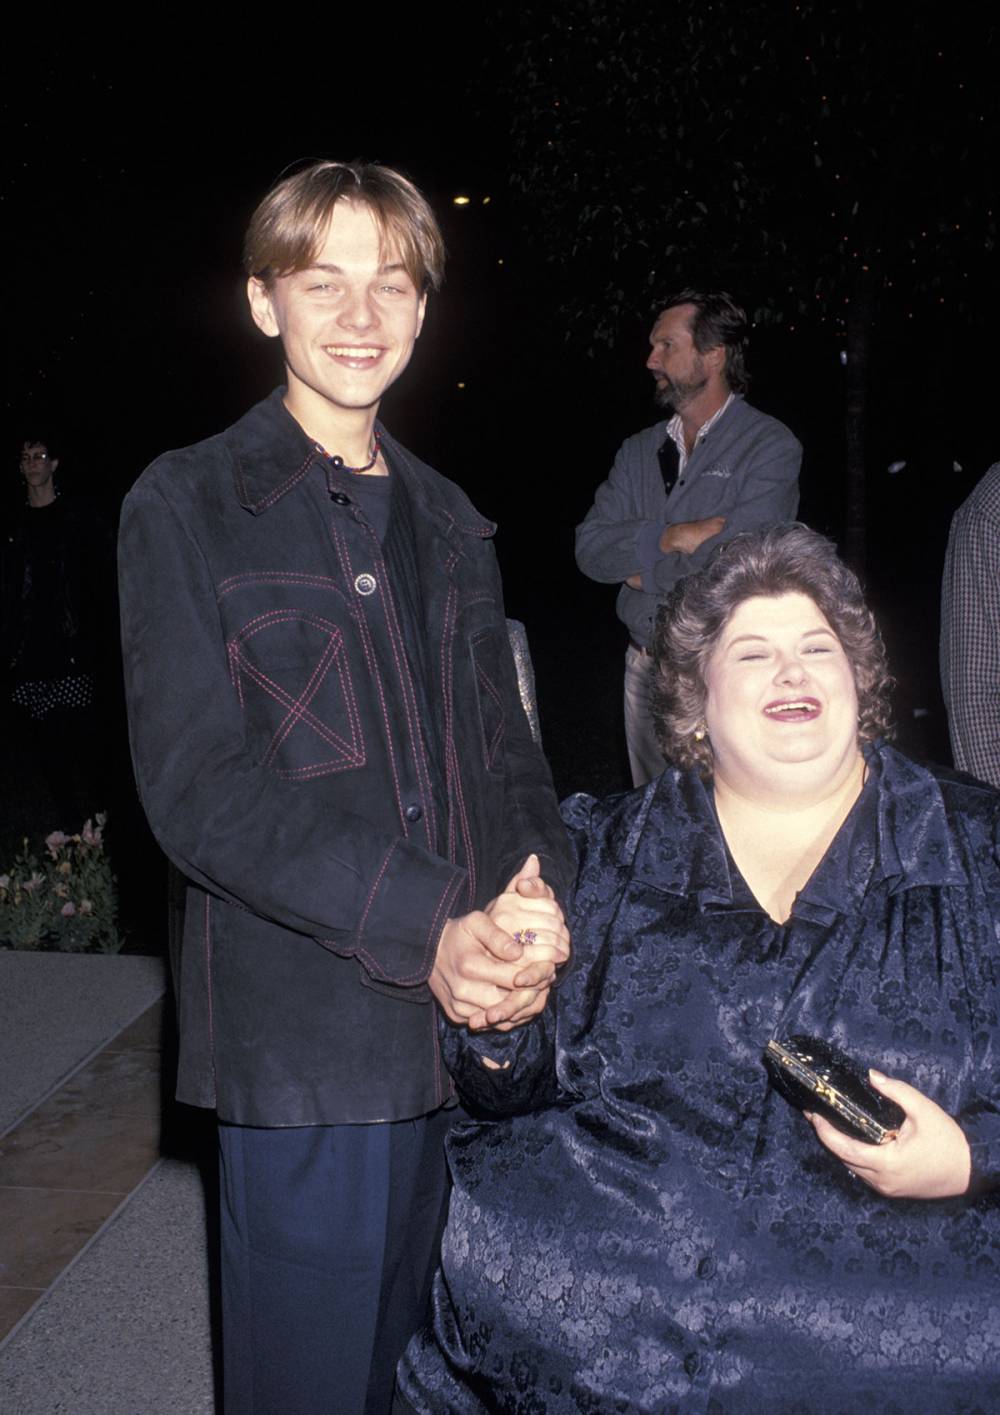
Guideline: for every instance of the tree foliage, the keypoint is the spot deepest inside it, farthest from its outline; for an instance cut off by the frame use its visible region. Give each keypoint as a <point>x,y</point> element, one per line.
<point>801,153</point>
<point>830,161</point>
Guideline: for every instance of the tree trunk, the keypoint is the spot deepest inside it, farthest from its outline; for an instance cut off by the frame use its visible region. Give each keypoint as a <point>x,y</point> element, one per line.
<point>859,323</point>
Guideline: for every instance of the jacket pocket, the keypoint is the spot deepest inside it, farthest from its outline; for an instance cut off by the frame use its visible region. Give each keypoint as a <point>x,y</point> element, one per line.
<point>291,673</point>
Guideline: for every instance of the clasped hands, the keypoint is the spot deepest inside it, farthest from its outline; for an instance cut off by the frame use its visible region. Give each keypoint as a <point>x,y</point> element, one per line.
<point>484,976</point>
<point>929,1159</point>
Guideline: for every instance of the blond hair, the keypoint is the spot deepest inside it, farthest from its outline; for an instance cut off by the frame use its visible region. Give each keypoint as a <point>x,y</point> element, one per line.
<point>287,228</point>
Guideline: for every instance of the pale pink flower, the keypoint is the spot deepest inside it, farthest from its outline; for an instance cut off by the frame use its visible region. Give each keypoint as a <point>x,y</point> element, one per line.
<point>30,885</point>
<point>68,909</point>
<point>54,841</point>
<point>92,834</point>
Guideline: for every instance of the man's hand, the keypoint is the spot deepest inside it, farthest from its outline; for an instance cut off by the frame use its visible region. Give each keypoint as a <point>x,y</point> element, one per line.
<point>474,967</point>
<point>482,976</point>
<point>687,536</point>
<point>929,1159</point>
<point>683,536</point>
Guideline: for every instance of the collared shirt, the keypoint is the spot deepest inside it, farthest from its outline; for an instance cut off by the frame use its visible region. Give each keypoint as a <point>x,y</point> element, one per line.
<point>747,470</point>
<point>675,431</point>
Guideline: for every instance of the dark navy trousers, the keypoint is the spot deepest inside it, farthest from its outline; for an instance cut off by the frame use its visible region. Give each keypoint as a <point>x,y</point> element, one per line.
<point>330,1237</point>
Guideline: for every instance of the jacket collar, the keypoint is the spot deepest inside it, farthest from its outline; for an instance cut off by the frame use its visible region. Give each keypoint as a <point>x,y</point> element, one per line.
<point>897,833</point>
<point>272,455</point>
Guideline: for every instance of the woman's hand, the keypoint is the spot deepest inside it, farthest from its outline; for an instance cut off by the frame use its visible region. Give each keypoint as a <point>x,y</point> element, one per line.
<point>528,912</point>
<point>929,1159</point>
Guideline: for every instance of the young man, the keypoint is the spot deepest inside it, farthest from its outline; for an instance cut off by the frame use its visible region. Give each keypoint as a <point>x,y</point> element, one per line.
<point>329,744</point>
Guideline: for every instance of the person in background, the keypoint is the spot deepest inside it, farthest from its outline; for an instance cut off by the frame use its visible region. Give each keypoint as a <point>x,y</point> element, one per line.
<point>329,745</point>
<point>970,631</point>
<point>715,467</point>
<point>56,626</point>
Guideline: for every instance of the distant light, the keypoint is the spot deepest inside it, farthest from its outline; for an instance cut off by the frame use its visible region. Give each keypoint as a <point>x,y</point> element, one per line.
<point>500,261</point>
<point>843,357</point>
<point>894,468</point>
<point>487,200</point>
<point>461,201</point>
<point>460,385</point>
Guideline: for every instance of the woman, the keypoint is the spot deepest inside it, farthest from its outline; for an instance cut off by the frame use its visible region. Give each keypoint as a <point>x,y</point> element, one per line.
<point>56,612</point>
<point>657,1229</point>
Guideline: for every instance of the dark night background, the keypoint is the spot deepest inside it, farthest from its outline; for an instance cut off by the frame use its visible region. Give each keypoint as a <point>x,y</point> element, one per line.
<point>605,138</point>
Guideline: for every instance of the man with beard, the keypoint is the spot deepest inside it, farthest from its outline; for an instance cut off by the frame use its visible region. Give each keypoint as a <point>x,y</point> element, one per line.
<point>680,488</point>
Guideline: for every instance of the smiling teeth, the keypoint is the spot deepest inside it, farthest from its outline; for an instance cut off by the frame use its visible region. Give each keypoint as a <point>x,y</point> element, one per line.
<point>348,351</point>
<point>790,707</point>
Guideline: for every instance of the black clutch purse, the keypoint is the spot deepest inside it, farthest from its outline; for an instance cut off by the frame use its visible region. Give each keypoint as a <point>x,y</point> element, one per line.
<point>814,1075</point>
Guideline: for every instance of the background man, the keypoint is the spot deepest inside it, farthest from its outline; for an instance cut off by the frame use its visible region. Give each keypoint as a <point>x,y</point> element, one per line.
<point>329,745</point>
<point>682,487</point>
<point>970,631</point>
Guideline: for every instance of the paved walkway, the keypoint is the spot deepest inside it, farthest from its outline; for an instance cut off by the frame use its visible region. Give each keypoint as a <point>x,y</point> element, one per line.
<point>104,1294</point>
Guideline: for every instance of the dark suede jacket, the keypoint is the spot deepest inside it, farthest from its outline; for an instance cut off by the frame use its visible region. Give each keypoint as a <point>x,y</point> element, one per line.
<point>281,759</point>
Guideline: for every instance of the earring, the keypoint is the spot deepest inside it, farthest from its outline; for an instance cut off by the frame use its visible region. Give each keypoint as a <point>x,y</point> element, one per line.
<point>699,733</point>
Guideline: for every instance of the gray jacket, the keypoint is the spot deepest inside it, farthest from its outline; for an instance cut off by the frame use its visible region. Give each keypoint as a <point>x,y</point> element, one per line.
<point>746,468</point>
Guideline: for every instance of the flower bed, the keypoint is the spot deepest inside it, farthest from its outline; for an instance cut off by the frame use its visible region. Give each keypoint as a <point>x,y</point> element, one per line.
<point>65,901</point>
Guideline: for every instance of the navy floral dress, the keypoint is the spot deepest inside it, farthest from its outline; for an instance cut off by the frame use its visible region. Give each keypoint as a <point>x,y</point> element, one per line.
<point>644,1226</point>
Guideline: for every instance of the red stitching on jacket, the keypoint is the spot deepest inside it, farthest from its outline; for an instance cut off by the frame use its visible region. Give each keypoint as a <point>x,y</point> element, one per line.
<point>376,968</point>
<point>249,578</point>
<point>453,776</point>
<point>412,717</point>
<point>491,749</point>
<point>276,493</point>
<point>374,889</point>
<point>297,710</point>
<point>351,753</point>
<point>343,555</point>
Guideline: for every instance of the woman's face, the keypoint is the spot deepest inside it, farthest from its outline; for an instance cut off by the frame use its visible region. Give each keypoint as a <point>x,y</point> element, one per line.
<point>781,707</point>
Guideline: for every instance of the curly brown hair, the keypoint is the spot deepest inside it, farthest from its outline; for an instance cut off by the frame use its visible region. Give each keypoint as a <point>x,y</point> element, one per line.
<point>774,561</point>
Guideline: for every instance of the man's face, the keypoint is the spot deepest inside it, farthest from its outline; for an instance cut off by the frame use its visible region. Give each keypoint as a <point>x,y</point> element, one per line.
<point>681,373</point>
<point>347,323</point>
<point>37,467</point>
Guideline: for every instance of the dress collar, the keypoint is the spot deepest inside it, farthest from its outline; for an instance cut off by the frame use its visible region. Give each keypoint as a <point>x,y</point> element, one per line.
<point>897,832</point>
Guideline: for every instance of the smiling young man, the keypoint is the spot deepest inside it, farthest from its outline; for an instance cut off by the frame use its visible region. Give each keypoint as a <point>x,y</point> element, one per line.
<point>330,746</point>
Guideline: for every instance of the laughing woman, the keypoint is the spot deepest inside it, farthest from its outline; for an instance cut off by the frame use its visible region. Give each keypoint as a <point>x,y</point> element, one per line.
<point>640,1223</point>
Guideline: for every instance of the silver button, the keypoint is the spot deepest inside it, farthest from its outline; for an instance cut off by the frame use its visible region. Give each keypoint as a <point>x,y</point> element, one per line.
<point>365,584</point>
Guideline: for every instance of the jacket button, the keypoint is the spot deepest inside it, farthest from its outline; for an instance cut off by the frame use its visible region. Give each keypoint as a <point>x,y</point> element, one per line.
<point>706,1268</point>
<point>340,498</point>
<point>365,583</point>
<point>413,813</point>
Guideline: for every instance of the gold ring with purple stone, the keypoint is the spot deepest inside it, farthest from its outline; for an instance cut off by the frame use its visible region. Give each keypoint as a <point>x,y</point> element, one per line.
<point>525,936</point>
